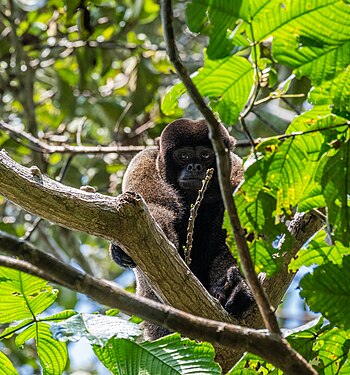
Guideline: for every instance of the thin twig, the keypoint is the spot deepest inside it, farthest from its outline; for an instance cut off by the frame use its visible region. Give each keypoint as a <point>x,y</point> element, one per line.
<point>223,165</point>
<point>193,215</point>
<point>276,95</point>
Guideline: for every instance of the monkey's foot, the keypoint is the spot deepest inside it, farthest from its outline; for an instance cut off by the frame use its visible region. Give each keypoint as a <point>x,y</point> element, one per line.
<point>120,257</point>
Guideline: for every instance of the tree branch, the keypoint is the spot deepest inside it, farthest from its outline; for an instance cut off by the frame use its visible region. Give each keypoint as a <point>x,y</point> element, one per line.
<point>222,160</point>
<point>193,215</point>
<point>40,146</point>
<point>269,346</point>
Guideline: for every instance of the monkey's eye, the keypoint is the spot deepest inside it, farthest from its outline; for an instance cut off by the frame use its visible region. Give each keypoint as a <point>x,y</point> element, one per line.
<point>205,155</point>
<point>183,156</point>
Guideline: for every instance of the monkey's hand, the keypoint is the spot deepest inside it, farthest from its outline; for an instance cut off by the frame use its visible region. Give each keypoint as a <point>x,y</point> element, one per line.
<point>120,257</point>
<point>233,293</point>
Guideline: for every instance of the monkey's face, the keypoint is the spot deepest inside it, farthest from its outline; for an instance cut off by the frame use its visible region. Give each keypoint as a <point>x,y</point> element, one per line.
<point>191,164</point>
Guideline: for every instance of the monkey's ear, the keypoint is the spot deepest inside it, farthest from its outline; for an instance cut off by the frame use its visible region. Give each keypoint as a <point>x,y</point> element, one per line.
<point>157,142</point>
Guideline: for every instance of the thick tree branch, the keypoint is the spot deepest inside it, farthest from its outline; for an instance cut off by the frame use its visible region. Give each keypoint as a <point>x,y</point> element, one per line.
<point>269,346</point>
<point>222,160</point>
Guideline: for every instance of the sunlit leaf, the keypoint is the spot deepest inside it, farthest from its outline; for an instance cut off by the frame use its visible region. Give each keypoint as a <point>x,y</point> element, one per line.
<point>251,364</point>
<point>336,190</point>
<point>335,92</point>
<point>22,295</point>
<point>52,353</point>
<point>222,16</point>
<point>169,355</point>
<point>333,352</point>
<point>327,290</point>
<point>319,252</point>
<point>226,82</point>
<point>6,367</point>
<point>321,21</point>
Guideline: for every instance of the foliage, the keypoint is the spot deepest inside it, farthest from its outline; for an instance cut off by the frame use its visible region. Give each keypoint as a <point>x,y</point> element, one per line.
<point>95,72</point>
<point>169,355</point>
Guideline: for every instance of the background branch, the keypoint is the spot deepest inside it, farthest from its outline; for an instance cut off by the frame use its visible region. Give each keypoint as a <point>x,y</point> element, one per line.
<point>40,146</point>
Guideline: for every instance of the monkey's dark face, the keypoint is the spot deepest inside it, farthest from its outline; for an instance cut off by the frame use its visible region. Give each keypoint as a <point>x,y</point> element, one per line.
<point>191,165</point>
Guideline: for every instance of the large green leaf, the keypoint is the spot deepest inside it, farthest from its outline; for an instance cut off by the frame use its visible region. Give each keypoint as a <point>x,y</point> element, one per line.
<point>257,217</point>
<point>335,182</point>
<point>319,21</point>
<point>226,82</point>
<point>6,367</point>
<point>318,62</point>
<point>326,347</point>
<point>335,92</point>
<point>327,290</point>
<point>333,352</point>
<point>22,295</point>
<point>52,353</point>
<point>222,16</point>
<point>281,173</point>
<point>310,36</point>
<point>290,169</point>
<point>302,338</point>
<point>169,355</point>
<point>319,252</point>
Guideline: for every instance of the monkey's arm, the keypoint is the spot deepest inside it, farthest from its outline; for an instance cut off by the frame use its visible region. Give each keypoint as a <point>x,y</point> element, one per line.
<point>142,177</point>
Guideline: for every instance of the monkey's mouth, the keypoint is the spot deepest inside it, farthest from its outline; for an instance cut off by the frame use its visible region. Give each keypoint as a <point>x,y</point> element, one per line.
<point>190,183</point>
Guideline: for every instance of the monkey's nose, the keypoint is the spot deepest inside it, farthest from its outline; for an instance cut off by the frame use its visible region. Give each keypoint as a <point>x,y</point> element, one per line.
<point>194,168</point>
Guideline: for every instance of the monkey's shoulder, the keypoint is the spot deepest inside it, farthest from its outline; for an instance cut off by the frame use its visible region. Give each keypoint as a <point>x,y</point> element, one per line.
<point>142,176</point>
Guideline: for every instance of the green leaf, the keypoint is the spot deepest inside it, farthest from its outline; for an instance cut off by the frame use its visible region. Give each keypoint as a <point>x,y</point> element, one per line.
<point>22,295</point>
<point>319,252</point>
<point>196,15</point>
<point>226,82</point>
<point>72,7</point>
<point>251,364</point>
<point>96,328</point>
<point>52,353</point>
<point>291,169</point>
<point>6,367</point>
<point>319,63</point>
<point>335,92</point>
<point>257,214</point>
<point>11,330</point>
<point>335,182</point>
<point>327,290</point>
<point>302,339</point>
<point>169,355</point>
<point>222,16</point>
<point>286,173</point>
<point>60,316</point>
<point>322,21</point>
<point>264,257</point>
<point>333,352</point>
